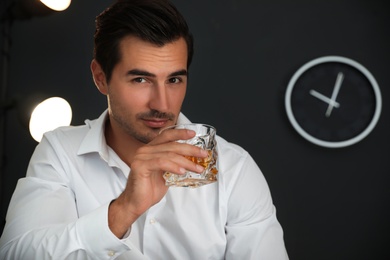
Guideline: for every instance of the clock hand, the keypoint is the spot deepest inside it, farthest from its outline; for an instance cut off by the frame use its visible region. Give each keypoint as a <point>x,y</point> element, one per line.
<point>336,89</point>
<point>324,98</point>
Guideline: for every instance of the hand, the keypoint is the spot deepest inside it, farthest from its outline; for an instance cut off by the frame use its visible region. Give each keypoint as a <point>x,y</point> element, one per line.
<point>146,185</point>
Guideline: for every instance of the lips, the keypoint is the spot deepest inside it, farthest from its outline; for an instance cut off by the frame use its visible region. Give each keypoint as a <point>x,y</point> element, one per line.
<point>156,119</point>
<point>155,122</point>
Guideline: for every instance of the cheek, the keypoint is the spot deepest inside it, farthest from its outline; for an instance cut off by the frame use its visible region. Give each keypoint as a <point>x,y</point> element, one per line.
<point>135,102</point>
<point>124,102</point>
<point>177,98</point>
<point>130,96</point>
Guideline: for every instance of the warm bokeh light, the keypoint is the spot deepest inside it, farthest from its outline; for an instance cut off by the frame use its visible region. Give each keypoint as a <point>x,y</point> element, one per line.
<point>48,115</point>
<point>57,5</point>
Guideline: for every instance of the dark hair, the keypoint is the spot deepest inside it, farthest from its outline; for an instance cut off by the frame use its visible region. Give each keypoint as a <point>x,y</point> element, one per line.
<point>154,21</point>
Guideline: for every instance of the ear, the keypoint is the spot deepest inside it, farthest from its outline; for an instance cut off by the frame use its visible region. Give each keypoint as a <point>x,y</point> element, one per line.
<point>99,77</point>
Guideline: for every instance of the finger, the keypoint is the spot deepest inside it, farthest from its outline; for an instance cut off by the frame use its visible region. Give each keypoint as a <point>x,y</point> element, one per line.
<point>182,149</point>
<point>189,163</point>
<point>169,162</point>
<point>181,167</point>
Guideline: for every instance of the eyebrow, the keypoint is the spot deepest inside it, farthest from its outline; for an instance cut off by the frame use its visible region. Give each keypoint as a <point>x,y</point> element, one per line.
<point>138,72</point>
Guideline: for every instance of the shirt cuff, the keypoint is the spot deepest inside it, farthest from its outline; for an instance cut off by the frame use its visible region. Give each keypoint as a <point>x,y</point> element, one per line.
<point>97,238</point>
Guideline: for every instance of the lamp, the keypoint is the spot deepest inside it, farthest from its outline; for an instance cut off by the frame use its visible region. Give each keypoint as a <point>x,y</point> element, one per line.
<point>26,9</point>
<point>48,115</point>
<point>44,120</point>
<point>41,113</point>
<point>18,10</point>
<point>57,5</point>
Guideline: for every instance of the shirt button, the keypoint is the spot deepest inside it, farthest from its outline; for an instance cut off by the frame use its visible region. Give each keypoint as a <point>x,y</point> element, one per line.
<point>152,221</point>
<point>111,253</point>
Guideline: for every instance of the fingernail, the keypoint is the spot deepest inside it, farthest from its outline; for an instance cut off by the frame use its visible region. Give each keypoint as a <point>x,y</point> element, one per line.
<point>199,168</point>
<point>191,132</point>
<point>182,170</point>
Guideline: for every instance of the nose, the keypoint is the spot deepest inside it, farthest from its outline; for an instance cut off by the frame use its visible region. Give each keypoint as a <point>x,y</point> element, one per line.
<point>159,98</point>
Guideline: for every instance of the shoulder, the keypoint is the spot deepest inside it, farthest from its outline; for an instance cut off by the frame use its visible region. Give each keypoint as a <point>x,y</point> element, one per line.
<point>237,167</point>
<point>66,136</point>
<point>228,146</point>
<point>230,152</point>
<point>68,140</point>
<point>59,148</point>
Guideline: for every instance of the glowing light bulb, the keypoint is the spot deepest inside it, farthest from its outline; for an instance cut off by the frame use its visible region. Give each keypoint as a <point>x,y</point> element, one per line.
<point>57,5</point>
<point>48,115</point>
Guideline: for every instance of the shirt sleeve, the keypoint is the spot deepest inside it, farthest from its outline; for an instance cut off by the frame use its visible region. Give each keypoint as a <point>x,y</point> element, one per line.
<point>43,222</point>
<point>252,230</point>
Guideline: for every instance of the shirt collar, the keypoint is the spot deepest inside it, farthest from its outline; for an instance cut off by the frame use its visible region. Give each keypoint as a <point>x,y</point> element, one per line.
<point>95,140</point>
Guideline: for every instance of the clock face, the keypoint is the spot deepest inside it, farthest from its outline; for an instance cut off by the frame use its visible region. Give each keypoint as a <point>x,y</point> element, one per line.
<point>333,101</point>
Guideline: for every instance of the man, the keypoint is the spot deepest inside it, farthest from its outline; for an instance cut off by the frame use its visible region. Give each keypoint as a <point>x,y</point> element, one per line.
<point>97,191</point>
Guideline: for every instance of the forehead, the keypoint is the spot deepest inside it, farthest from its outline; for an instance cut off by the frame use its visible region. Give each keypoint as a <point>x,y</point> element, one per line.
<point>136,53</point>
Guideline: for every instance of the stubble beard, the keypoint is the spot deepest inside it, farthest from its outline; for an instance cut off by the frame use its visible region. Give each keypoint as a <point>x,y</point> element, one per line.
<point>147,136</point>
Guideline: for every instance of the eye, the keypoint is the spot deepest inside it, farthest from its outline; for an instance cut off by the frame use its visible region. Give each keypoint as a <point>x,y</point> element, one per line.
<point>175,80</point>
<point>139,80</point>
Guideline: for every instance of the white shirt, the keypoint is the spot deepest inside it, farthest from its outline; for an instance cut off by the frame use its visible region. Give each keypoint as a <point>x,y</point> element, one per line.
<point>60,209</point>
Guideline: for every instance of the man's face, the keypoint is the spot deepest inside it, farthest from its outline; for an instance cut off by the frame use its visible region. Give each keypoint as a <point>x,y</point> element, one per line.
<point>147,87</point>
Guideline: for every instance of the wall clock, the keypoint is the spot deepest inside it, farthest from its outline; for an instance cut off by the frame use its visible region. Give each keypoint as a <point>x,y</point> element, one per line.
<point>333,101</point>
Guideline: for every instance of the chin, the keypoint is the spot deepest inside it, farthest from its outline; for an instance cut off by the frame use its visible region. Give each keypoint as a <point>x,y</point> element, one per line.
<point>147,137</point>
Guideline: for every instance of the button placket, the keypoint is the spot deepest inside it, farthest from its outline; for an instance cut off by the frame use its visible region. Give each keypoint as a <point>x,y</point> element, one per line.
<point>152,227</point>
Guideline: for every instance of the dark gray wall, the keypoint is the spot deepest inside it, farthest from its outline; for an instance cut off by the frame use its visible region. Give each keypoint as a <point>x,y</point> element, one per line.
<point>332,203</point>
